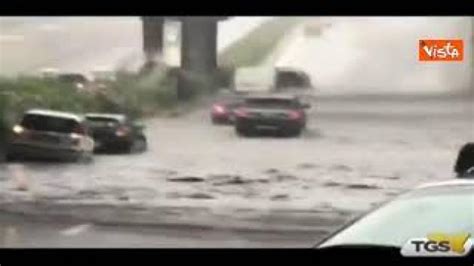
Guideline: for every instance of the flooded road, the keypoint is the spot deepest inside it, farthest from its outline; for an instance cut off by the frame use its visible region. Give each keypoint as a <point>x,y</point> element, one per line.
<point>245,192</point>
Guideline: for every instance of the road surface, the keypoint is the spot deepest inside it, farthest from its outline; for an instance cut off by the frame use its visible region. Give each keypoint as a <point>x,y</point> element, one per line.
<point>202,185</point>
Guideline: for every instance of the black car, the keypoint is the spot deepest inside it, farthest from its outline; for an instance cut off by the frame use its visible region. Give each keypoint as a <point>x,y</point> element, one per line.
<point>116,132</point>
<point>284,114</point>
<point>464,166</point>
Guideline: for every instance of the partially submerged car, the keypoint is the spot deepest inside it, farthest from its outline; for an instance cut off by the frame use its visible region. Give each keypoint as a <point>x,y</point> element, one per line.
<point>443,207</point>
<point>282,113</point>
<point>50,135</point>
<point>116,132</point>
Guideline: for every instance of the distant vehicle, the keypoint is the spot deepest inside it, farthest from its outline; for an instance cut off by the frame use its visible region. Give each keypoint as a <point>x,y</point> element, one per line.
<point>443,207</point>
<point>116,132</point>
<point>274,112</point>
<point>46,134</point>
<point>464,166</point>
<point>278,79</point>
<point>49,72</point>
<point>79,81</point>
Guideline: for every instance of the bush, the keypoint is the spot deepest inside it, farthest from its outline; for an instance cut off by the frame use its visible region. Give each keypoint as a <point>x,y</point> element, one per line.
<point>130,94</point>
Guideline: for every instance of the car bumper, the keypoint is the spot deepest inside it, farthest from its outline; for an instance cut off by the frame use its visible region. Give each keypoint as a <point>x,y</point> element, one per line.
<point>111,142</point>
<point>37,152</point>
<point>269,124</point>
<point>221,118</point>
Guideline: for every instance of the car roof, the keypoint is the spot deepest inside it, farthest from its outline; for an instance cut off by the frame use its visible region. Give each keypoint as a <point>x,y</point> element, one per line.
<point>448,183</point>
<point>104,115</point>
<point>272,96</point>
<point>60,114</point>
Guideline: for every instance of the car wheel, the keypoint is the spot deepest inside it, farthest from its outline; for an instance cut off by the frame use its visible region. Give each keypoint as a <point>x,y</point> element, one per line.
<point>85,157</point>
<point>297,132</point>
<point>244,132</point>
<point>140,145</point>
<point>292,132</point>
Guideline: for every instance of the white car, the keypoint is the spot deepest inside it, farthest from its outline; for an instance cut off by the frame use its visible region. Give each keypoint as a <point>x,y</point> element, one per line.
<point>443,207</point>
<point>46,134</point>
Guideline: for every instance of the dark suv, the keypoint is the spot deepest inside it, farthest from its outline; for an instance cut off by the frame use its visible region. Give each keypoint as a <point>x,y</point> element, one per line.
<point>285,114</point>
<point>116,132</point>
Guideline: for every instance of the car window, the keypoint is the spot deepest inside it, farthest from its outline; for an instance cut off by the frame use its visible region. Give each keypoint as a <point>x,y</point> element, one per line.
<point>270,103</point>
<point>102,122</point>
<point>48,123</point>
<point>413,216</point>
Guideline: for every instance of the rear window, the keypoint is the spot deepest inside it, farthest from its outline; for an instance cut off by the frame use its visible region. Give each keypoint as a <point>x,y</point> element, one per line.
<point>48,123</point>
<point>102,121</point>
<point>271,102</point>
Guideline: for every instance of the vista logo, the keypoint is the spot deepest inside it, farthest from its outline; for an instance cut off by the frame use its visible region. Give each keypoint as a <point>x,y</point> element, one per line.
<point>438,245</point>
<point>441,50</point>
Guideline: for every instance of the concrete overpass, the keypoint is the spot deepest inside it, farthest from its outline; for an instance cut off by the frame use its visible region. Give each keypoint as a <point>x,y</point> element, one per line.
<point>198,50</point>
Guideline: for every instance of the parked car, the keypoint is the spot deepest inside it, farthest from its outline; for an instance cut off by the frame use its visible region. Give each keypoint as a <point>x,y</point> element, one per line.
<point>442,207</point>
<point>46,134</point>
<point>285,114</point>
<point>116,132</point>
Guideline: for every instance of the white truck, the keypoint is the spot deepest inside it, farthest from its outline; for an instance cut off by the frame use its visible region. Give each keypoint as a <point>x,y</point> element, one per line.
<point>272,79</point>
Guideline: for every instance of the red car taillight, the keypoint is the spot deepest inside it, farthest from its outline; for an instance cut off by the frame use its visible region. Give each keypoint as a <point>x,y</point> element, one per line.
<point>295,115</point>
<point>79,129</point>
<point>218,108</point>
<point>122,131</point>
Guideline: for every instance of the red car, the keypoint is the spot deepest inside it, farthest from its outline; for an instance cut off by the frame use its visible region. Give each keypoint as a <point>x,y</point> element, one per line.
<point>223,112</point>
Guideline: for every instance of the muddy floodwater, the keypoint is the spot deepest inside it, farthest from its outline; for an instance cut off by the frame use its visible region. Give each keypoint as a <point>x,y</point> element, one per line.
<point>354,154</point>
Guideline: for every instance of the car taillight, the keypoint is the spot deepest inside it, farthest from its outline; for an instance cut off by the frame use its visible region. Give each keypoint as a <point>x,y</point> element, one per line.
<point>217,108</point>
<point>122,131</point>
<point>241,112</point>
<point>295,115</point>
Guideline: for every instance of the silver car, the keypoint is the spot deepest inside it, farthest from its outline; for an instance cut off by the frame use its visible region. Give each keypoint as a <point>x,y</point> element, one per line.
<point>46,134</point>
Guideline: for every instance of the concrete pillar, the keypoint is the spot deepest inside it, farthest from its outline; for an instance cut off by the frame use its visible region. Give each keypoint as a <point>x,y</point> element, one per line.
<point>198,55</point>
<point>152,37</point>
